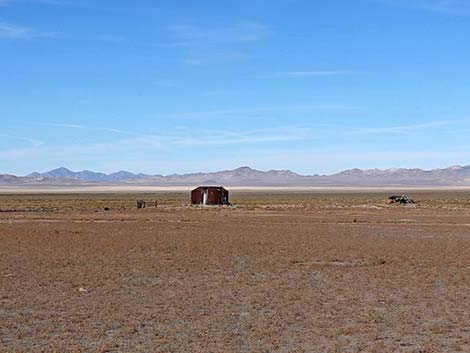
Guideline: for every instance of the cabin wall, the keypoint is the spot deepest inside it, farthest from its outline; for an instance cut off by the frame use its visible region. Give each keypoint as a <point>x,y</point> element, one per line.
<point>209,196</point>
<point>196,196</point>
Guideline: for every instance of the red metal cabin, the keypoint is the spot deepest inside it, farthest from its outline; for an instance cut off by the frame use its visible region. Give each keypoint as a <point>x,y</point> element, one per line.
<point>210,195</point>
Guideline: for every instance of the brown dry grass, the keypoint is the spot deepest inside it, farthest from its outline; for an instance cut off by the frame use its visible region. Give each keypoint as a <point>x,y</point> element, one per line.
<point>277,273</point>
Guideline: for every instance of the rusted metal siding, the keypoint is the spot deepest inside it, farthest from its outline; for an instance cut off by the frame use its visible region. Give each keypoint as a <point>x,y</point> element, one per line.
<point>196,196</point>
<point>210,195</point>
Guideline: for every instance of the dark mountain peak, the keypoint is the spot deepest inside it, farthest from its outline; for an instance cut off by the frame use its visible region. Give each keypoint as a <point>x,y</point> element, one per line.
<point>456,167</point>
<point>347,172</point>
<point>123,175</point>
<point>243,169</point>
<point>60,170</point>
<point>89,171</point>
<point>283,172</point>
<point>122,172</point>
<point>8,178</point>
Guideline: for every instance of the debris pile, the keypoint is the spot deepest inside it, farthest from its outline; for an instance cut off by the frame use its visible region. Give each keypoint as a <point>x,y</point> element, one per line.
<point>142,204</point>
<point>400,200</point>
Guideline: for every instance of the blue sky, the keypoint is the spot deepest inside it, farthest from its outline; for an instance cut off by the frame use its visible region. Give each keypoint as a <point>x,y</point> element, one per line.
<point>171,86</point>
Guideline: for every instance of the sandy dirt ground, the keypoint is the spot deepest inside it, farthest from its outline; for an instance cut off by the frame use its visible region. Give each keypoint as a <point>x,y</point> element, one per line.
<point>285,272</point>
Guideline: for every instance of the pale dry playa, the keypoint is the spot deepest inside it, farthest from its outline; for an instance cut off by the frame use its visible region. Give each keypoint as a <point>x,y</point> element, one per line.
<point>120,189</point>
<point>278,272</point>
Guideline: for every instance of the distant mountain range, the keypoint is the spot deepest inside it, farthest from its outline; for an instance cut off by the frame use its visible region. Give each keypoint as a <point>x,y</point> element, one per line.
<point>87,175</point>
<point>246,176</point>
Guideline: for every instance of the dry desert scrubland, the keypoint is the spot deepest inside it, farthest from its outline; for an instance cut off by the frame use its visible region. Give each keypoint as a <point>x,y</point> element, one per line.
<point>283,272</point>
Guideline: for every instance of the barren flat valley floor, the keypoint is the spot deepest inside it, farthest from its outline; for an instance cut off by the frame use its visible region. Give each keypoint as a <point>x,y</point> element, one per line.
<point>277,272</point>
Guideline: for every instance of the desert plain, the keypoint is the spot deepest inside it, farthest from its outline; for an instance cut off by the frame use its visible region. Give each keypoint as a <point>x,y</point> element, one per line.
<point>277,272</point>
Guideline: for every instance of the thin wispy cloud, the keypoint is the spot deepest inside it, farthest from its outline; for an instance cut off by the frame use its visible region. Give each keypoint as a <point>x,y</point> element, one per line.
<point>12,31</point>
<point>69,126</point>
<point>215,57</point>
<point>203,45</point>
<point>258,111</point>
<point>100,37</point>
<point>254,136</point>
<point>403,129</point>
<point>206,137</point>
<point>181,141</point>
<point>49,2</point>
<point>91,128</point>
<point>236,140</point>
<point>242,32</point>
<point>31,141</point>
<point>195,61</point>
<point>313,73</point>
<point>39,2</point>
<point>458,7</point>
<point>184,137</point>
